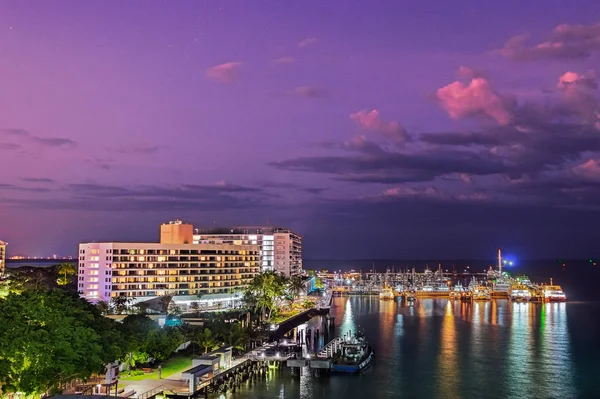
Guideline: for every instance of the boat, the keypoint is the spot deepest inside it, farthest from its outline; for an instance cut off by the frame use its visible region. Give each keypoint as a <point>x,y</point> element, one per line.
<point>457,292</point>
<point>466,296</point>
<point>354,355</point>
<point>387,293</point>
<point>481,293</point>
<point>553,293</point>
<point>520,293</point>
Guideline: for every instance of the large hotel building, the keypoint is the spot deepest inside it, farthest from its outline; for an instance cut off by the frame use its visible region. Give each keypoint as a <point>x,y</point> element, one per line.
<point>280,248</point>
<point>2,258</point>
<point>182,263</point>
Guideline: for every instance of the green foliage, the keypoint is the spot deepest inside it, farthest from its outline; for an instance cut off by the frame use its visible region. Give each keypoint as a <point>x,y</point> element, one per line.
<point>49,338</point>
<point>120,303</point>
<point>161,343</point>
<point>235,336</point>
<point>206,340</point>
<point>65,272</point>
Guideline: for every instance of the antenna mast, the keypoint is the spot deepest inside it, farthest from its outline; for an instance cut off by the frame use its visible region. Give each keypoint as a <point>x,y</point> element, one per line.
<point>500,260</point>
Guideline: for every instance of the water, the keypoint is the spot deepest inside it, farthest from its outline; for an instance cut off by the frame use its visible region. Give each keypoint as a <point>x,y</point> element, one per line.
<point>449,349</point>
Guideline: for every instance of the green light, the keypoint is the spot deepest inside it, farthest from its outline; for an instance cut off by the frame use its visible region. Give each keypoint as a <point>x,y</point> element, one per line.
<point>591,261</point>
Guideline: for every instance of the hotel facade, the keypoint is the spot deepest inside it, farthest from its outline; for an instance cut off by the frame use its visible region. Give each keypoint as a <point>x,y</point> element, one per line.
<point>2,258</point>
<point>280,248</point>
<point>174,266</point>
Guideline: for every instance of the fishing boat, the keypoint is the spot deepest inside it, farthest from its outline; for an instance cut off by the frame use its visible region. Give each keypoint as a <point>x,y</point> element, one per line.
<point>553,293</point>
<point>354,355</point>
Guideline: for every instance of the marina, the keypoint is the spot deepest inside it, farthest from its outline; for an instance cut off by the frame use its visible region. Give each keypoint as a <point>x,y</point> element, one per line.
<point>409,285</point>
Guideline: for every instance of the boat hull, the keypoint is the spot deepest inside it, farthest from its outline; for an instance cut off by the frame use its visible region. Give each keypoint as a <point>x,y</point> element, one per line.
<point>353,368</point>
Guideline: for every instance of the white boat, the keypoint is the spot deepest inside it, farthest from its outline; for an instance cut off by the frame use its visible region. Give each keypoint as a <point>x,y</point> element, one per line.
<point>481,293</point>
<point>387,293</point>
<point>520,293</point>
<point>553,293</point>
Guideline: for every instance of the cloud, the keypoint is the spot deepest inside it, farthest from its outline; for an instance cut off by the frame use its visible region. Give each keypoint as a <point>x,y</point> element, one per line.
<point>580,96</point>
<point>26,136</point>
<point>478,97</point>
<point>12,187</point>
<point>371,121</point>
<point>10,146</point>
<point>227,72</point>
<point>143,149</point>
<point>564,42</point>
<point>306,91</point>
<point>37,180</point>
<point>411,192</point>
<point>307,42</point>
<point>588,170</point>
<point>544,152</point>
<point>295,187</point>
<point>283,60</point>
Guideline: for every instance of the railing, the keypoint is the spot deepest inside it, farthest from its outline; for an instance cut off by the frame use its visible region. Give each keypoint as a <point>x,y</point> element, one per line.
<point>151,393</point>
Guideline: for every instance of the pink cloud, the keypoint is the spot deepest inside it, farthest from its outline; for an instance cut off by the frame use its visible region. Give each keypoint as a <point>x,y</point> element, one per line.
<point>307,42</point>
<point>372,121</point>
<point>283,60</point>
<point>227,72</point>
<point>565,42</point>
<point>465,177</point>
<point>589,170</point>
<point>411,192</point>
<point>580,95</point>
<point>478,97</point>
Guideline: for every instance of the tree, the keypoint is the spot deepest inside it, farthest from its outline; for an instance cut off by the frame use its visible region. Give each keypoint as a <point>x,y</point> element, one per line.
<point>65,272</point>
<point>103,307</point>
<point>174,309</point>
<point>120,303</point>
<point>265,293</point>
<point>137,328</point>
<point>294,287</point>
<point>50,338</point>
<point>235,336</point>
<point>161,343</point>
<point>205,339</point>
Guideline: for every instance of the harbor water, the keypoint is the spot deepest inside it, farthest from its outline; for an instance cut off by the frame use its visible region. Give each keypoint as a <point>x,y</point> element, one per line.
<point>438,348</point>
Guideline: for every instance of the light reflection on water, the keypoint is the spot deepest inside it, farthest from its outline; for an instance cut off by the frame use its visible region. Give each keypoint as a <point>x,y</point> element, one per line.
<point>443,348</point>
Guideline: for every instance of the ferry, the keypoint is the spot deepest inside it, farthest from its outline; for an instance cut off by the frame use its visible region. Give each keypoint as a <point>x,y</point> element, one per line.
<point>354,356</point>
<point>520,293</point>
<point>553,293</point>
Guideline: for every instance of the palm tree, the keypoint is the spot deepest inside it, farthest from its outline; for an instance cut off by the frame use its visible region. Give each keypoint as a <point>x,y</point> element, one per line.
<point>295,286</point>
<point>236,337</point>
<point>205,339</point>
<point>65,271</point>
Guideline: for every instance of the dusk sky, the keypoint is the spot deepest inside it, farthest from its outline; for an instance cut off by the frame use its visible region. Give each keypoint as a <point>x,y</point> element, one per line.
<point>380,129</point>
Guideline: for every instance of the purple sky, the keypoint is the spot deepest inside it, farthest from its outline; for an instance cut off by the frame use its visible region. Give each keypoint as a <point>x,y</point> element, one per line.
<point>393,129</point>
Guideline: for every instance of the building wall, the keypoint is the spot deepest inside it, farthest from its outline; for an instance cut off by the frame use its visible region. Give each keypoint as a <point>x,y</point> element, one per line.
<point>280,248</point>
<point>176,232</point>
<point>143,270</point>
<point>2,258</point>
